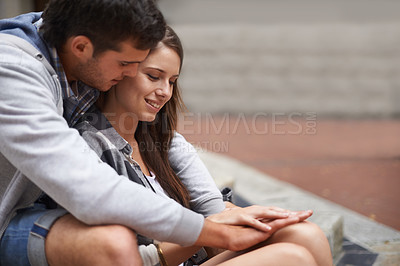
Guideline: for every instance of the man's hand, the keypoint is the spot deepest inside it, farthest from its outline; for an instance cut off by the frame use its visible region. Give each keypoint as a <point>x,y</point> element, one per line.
<point>235,237</point>
<point>229,237</point>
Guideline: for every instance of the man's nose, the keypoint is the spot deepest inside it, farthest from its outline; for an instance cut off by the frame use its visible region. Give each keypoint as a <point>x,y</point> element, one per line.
<point>130,70</point>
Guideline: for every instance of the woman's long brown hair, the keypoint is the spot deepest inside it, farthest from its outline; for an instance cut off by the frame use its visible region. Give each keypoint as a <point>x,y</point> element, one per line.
<point>154,138</point>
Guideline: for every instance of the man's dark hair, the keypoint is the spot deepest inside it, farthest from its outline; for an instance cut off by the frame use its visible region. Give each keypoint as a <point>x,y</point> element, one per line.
<point>106,23</point>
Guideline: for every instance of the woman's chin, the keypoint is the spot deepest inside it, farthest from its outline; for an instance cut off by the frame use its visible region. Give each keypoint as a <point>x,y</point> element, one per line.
<point>150,118</point>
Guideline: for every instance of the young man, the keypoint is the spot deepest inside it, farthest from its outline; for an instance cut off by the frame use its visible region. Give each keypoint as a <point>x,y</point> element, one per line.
<point>59,203</point>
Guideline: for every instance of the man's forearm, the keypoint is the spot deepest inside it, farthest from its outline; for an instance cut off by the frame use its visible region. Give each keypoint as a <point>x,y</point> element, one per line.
<point>231,237</point>
<point>213,235</point>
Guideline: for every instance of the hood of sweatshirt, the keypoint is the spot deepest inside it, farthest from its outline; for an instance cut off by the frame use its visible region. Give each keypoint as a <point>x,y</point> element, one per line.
<point>23,27</point>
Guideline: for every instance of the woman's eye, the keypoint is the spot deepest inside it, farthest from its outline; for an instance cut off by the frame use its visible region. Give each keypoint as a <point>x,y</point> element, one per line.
<point>152,77</point>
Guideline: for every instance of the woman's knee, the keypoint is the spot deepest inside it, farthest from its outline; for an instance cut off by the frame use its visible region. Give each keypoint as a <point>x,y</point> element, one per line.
<point>313,235</point>
<point>312,231</point>
<point>309,236</point>
<point>304,231</point>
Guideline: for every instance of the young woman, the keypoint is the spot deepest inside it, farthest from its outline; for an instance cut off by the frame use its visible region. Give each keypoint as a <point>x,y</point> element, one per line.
<point>132,127</point>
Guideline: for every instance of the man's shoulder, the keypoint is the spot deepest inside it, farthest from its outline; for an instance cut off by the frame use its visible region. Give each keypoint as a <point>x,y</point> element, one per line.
<point>19,58</point>
<point>18,51</point>
<point>23,26</point>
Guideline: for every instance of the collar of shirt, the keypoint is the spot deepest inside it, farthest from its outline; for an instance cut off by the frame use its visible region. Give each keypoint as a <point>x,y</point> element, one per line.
<point>97,119</point>
<point>66,88</point>
<point>112,145</point>
<point>62,77</point>
<point>74,105</point>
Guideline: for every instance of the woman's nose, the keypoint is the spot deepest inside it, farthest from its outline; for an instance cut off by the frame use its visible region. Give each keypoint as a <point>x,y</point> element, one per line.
<point>165,89</point>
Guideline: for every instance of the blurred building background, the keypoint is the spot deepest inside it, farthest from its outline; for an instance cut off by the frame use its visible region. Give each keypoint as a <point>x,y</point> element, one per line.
<point>11,8</point>
<point>307,91</point>
<point>336,58</point>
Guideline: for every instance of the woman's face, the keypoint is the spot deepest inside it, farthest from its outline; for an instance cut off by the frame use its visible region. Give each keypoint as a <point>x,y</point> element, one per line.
<point>144,95</point>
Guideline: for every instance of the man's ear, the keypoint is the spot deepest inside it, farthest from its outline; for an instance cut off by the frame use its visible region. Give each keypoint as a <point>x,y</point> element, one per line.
<point>81,47</point>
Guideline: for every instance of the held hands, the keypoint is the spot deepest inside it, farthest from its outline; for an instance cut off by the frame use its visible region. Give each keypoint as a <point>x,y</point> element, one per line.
<point>238,228</point>
<point>266,219</point>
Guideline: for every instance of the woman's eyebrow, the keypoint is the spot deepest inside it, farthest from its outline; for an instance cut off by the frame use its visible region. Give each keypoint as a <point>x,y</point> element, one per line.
<point>162,71</point>
<point>159,69</point>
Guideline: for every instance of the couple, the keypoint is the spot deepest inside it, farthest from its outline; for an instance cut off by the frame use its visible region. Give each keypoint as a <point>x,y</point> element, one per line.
<point>62,205</point>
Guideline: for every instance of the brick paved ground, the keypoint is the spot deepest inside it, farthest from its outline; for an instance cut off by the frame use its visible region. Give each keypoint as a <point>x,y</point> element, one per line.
<point>355,163</point>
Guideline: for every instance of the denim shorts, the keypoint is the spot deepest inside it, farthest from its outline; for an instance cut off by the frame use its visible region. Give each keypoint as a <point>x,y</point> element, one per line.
<point>23,241</point>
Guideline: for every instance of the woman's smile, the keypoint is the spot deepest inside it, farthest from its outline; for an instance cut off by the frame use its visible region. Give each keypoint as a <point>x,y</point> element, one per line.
<point>153,104</point>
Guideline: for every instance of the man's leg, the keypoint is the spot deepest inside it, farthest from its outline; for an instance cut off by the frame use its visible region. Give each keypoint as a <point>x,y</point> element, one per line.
<point>71,242</point>
<point>22,243</point>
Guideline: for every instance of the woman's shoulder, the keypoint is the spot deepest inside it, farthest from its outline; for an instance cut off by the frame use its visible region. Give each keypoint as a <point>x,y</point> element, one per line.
<point>90,127</point>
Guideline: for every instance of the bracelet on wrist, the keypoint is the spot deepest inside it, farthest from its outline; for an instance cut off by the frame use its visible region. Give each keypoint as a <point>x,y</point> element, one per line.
<point>160,253</point>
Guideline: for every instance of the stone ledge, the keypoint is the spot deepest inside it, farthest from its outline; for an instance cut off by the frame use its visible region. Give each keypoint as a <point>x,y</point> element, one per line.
<point>226,173</point>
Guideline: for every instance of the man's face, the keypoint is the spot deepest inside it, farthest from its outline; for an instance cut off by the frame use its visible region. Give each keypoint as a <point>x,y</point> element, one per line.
<point>108,68</point>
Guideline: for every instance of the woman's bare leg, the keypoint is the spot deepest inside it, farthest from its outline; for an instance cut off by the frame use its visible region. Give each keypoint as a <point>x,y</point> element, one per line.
<point>309,236</point>
<point>305,240</point>
<point>280,254</point>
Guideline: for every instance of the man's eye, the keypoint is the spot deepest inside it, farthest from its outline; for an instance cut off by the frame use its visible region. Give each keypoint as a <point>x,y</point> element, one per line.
<point>124,64</point>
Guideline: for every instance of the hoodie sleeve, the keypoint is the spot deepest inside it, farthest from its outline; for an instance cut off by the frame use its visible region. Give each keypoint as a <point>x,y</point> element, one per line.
<point>205,196</point>
<point>36,139</point>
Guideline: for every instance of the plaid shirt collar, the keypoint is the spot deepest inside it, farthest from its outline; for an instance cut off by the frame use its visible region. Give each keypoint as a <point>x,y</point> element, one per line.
<point>74,105</point>
<point>99,121</point>
<point>66,88</point>
<point>112,144</point>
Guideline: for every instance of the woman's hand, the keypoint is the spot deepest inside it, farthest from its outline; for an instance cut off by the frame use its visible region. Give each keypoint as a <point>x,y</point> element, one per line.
<point>258,217</point>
